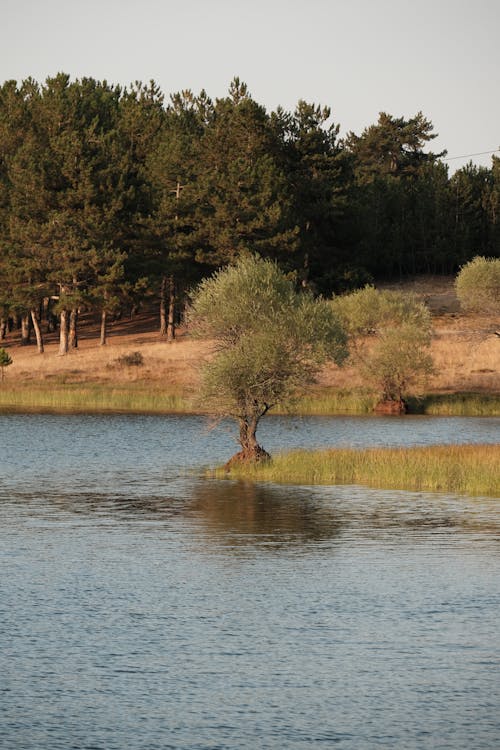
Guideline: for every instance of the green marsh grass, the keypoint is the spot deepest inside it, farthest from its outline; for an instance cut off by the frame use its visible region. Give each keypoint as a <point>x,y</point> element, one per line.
<point>458,405</point>
<point>457,469</point>
<point>63,393</point>
<point>329,401</point>
<point>93,397</point>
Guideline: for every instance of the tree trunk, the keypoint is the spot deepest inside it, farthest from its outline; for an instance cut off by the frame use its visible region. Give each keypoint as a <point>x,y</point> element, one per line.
<point>104,328</point>
<point>248,436</point>
<point>51,319</point>
<point>25,330</point>
<point>163,306</point>
<point>38,330</point>
<point>63,332</point>
<point>3,329</point>
<point>73,329</point>
<point>171,309</point>
<point>391,406</point>
<point>250,451</point>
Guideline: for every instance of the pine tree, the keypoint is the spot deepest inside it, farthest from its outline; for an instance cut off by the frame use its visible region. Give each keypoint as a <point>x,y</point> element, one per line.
<point>244,199</point>
<point>172,172</point>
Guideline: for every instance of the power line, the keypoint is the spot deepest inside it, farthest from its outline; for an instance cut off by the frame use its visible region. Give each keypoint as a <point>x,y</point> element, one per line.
<point>478,153</point>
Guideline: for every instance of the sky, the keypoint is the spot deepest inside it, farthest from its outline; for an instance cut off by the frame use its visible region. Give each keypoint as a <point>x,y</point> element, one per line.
<point>359,57</point>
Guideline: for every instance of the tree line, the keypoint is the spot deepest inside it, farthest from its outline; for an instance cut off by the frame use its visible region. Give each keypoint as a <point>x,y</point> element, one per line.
<point>111,195</point>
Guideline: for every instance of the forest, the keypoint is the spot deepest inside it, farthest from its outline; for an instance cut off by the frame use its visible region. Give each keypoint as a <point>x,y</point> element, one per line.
<point>111,197</point>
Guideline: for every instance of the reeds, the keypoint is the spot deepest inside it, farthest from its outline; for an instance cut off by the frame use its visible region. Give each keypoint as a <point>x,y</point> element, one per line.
<point>60,393</point>
<point>457,405</point>
<point>329,401</point>
<point>456,469</point>
<point>94,398</point>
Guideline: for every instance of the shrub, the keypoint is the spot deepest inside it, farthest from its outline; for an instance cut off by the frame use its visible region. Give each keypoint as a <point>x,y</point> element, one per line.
<point>390,334</point>
<point>133,359</point>
<point>478,286</point>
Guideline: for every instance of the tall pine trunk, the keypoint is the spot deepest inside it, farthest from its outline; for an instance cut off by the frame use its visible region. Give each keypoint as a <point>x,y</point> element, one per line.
<point>171,309</point>
<point>163,307</point>
<point>3,328</point>
<point>37,329</point>
<point>104,328</point>
<point>63,332</point>
<point>73,329</point>
<point>48,315</point>
<point>25,330</point>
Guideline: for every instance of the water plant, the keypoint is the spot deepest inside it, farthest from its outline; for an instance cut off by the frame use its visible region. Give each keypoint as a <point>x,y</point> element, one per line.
<point>463,469</point>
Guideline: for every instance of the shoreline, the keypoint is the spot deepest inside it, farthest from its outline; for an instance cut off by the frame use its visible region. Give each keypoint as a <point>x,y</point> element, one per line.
<point>143,398</point>
<point>138,371</point>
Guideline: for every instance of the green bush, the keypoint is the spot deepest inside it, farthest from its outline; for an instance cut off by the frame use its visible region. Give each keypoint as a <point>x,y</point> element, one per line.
<point>390,334</point>
<point>478,286</point>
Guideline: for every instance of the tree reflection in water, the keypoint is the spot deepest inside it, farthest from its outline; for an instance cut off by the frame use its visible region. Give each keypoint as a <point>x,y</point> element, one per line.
<point>244,513</point>
<point>227,513</point>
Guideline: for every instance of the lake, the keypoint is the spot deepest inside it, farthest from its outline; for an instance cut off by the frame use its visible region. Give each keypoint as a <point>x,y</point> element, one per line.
<point>145,607</point>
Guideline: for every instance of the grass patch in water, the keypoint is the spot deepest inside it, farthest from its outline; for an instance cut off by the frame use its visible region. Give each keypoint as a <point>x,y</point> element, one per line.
<point>457,469</point>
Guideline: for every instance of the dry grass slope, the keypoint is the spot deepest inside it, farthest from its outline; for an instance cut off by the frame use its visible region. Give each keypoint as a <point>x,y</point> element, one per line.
<point>466,353</point>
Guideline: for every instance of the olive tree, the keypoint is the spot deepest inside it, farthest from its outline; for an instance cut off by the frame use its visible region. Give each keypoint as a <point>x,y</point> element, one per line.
<point>390,333</point>
<point>269,343</point>
<point>478,286</point>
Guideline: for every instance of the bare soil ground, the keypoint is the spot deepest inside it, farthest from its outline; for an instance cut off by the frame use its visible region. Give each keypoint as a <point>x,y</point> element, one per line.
<point>466,350</point>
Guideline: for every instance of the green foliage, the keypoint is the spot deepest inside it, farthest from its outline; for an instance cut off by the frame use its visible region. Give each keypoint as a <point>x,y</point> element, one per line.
<point>394,146</point>
<point>270,340</point>
<point>371,311</point>
<point>391,334</point>
<point>478,286</point>
<point>244,195</point>
<point>106,191</point>
<point>5,360</point>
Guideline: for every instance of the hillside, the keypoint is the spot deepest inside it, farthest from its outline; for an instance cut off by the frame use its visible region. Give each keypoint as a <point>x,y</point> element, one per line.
<point>466,352</point>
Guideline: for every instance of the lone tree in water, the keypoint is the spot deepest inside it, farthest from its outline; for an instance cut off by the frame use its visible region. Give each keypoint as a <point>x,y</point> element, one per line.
<point>269,343</point>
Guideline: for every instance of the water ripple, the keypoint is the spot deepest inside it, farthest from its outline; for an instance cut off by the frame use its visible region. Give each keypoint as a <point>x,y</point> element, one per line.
<point>143,607</point>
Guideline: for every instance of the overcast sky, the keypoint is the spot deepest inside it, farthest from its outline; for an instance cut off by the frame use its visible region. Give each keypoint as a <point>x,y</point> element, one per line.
<point>359,57</point>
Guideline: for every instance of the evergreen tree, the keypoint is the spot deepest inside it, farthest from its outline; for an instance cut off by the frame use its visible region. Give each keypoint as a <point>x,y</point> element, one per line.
<point>87,186</point>
<point>172,170</point>
<point>392,186</point>
<point>317,174</point>
<point>474,202</point>
<point>244,199</point>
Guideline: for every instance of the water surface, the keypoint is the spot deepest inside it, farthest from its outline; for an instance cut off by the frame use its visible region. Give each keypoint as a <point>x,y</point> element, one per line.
<point>142,606</point>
